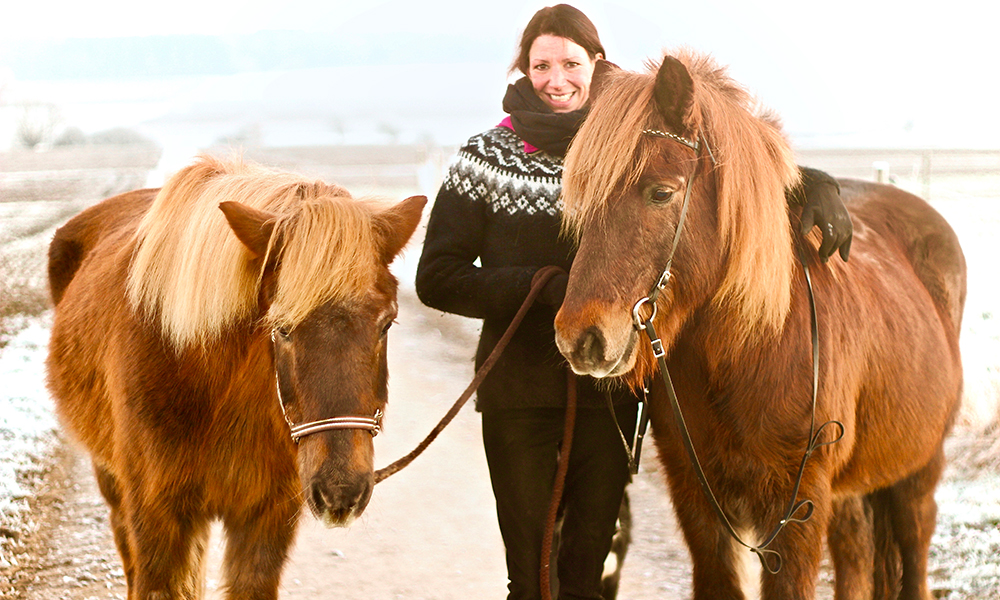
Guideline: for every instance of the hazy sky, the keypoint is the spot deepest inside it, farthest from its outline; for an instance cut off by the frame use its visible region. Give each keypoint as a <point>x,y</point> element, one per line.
<point>916,69</point>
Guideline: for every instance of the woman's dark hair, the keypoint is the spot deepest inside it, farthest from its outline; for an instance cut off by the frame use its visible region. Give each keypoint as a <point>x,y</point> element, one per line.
<point>561,20</point>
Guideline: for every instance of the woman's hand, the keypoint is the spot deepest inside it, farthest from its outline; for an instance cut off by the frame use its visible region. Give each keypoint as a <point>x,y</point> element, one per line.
<point>824,209</point>
<point>555,288</point>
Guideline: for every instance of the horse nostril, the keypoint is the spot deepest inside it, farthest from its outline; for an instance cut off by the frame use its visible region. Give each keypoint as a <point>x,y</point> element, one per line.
<point>339,497</point>
<point>318,497</point>
<point>591,346</point>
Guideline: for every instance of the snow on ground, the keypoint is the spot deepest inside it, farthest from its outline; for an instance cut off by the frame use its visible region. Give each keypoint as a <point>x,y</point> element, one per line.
<point>966,544</point>
<point>27,428</point>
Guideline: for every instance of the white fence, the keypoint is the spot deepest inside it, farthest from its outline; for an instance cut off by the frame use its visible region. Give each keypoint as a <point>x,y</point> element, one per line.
<point>916,165</point>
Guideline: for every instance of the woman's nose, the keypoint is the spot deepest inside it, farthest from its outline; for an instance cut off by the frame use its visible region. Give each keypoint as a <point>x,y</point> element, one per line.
<point>557,77</point>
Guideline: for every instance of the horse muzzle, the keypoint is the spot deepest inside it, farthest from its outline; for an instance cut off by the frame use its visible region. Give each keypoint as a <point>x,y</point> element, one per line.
<point>593,348</point>
<point>337,473</point>
<point>339,503</point>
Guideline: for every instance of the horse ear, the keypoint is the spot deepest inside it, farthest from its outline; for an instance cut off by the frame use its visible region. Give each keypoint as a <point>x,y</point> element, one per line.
<point>395,226</point>
<point>252,227</point>
<point>673,93</point>
<point>602,70</point>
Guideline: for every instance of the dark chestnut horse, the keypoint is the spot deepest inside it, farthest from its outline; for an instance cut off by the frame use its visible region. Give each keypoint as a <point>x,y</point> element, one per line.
<point>734,322</point>
<point>176,323</point>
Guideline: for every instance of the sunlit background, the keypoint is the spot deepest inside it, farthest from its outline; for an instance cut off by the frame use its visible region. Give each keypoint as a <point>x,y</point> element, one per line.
<point>193,73</point>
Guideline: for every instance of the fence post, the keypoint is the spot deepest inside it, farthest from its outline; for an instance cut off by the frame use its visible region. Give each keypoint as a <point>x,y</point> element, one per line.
<point>881,169</point>
<point>925,172</point>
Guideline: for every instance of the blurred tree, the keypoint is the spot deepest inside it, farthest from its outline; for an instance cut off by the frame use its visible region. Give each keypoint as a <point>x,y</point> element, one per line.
<point>71,136</point>
<point>120,135</point>
<point>37,122</point>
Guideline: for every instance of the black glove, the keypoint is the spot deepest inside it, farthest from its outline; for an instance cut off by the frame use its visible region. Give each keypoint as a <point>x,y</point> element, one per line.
<point>823,208</point>
<point>555,289</point>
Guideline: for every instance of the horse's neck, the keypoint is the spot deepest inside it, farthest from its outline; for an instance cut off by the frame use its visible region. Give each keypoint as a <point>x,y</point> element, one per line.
<point>732,352</point>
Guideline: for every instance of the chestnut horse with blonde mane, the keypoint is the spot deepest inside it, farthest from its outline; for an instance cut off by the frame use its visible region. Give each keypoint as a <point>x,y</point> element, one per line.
<point>733,317</point>
<point>193,326</point>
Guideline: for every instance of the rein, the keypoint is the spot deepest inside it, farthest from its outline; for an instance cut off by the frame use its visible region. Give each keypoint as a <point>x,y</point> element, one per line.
<point>762,551</point>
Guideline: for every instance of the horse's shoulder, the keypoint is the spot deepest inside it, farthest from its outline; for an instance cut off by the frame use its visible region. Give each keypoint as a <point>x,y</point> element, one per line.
<point>80,235</point>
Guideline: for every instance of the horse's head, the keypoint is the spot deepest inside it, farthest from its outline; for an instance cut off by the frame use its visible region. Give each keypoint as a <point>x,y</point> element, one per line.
<point>655,147</point>
<point>330,344</point>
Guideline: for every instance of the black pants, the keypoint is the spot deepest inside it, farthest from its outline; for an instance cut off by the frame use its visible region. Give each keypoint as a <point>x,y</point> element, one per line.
<point>522,449</point>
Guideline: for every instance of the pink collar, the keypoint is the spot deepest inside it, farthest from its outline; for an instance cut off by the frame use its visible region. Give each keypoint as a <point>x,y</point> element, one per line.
<point>528,148</point>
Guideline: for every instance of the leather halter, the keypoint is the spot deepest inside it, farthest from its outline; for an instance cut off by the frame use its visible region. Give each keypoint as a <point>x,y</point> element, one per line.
<point>762,551</point>
<point>371,424</point>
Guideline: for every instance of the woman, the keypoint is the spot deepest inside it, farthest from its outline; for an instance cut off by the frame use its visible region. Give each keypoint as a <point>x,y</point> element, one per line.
<point>494,224</point>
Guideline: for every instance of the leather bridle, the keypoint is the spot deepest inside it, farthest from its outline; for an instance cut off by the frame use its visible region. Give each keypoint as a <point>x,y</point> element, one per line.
<point>762,551</point>
<point>373,425</point>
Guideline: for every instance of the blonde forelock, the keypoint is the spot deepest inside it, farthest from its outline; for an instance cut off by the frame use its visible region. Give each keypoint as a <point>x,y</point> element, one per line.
<point>607,153</point>
<point>191,273</point>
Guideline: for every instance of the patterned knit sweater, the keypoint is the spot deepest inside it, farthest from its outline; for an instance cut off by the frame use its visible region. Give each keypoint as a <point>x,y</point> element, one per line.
<point>494,223</point>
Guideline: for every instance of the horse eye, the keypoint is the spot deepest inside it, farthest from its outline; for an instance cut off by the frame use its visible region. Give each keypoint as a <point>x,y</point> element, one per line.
<point>282,332</point>
<point>385,329</point>
<point>662,195</point>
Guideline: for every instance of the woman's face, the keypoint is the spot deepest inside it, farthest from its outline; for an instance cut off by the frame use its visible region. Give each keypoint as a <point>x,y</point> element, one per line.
<point>560,71</point>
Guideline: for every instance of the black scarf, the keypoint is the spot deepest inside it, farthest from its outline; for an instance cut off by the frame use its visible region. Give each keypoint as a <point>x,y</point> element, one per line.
<point>535,122</point>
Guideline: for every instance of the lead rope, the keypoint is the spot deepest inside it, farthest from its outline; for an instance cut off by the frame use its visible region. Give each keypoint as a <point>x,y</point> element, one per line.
<point>541,278</point>
<point>545,572</point>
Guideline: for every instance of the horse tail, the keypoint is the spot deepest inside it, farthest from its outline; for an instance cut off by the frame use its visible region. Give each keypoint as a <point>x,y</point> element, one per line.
<point>73,242</point>
<point>887,564</point>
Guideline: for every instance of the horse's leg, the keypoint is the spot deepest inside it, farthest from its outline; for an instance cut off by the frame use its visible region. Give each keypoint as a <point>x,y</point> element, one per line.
<point>851,541</point>
<point>713,553</point>
<point>800,546</point>
<point>108,485</point>
<point>612,576</point>
<point>167,537</point>
<point>198,563</point>
<point>914,515</point>
<point>257,543</point>
<point>887,571</point>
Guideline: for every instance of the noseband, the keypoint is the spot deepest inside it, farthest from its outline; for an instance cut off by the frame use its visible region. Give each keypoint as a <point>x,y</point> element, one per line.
<point>371,424</point>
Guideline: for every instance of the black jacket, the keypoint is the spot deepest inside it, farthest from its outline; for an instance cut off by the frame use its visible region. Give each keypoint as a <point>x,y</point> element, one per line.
<point>500,205</point>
